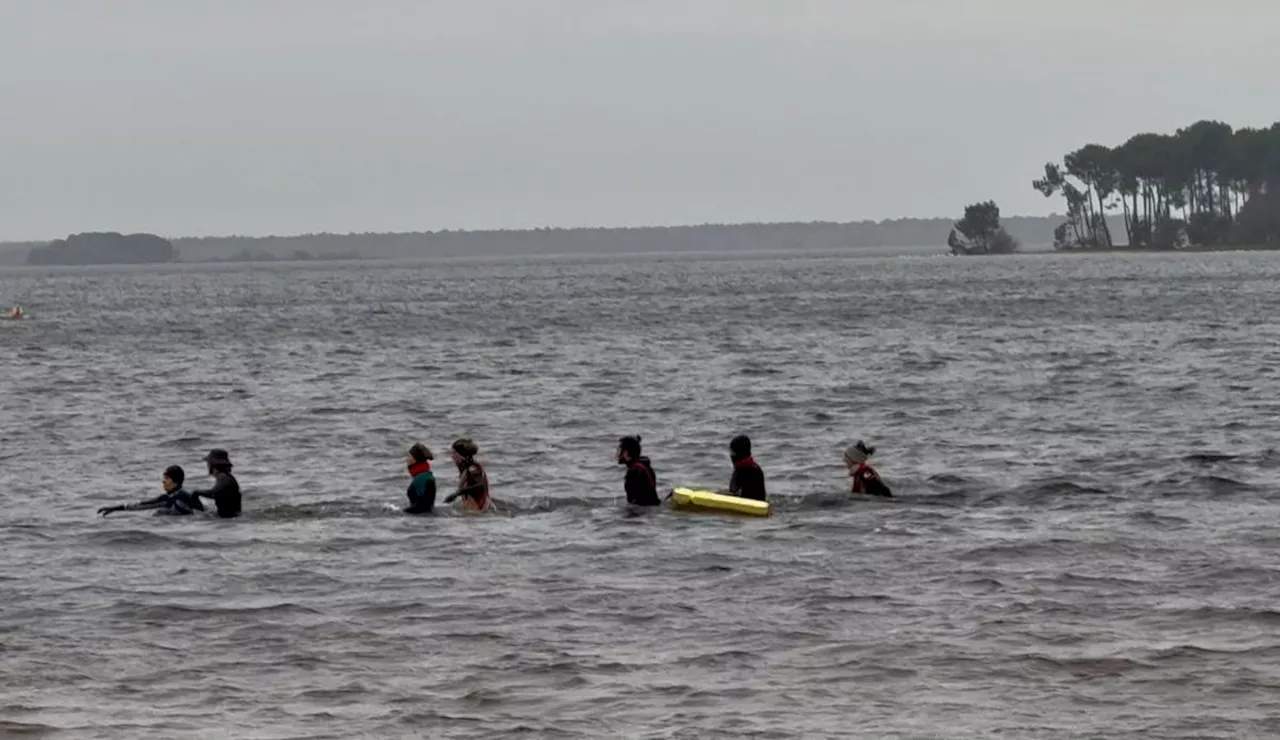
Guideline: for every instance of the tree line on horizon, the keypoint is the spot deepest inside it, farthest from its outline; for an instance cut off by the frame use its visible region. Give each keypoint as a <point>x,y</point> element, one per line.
<point>1204,185</point>
<point>729,238</point>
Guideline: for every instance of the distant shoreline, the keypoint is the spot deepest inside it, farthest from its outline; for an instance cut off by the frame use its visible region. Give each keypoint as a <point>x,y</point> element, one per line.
<point>724,238</point>
<point>1126,249</point>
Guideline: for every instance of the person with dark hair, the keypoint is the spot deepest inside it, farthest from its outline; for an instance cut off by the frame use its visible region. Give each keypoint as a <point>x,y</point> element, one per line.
<point>747,480</point>
<point>865,478</point>
<point>641,483</point>
<point>422,489</point>
<point>175,500</point>
<point>473,482</point>
<point>226,490</point>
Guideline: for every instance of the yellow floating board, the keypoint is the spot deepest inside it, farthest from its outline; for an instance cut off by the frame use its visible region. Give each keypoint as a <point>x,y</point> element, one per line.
<point>685,498</point>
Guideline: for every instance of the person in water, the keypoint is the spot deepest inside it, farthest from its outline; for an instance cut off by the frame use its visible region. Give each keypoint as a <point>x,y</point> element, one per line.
<point>422,489</point>
<point>747,480</point>
<point>641,482</point>
<point>226,490</point>
<point>174,501</point>
<point>865,478</point>
<point>473,483</point>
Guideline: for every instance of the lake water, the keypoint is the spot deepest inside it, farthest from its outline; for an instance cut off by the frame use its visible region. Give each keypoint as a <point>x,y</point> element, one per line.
<point>1083,542</point>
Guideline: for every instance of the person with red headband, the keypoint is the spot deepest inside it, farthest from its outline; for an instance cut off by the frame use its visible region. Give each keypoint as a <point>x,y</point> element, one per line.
<point>747,480</point>
<point>422,489</point>
<point>865,478</point>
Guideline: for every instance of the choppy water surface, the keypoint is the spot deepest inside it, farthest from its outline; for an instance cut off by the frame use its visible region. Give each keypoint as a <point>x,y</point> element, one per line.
<point>1084,542</point>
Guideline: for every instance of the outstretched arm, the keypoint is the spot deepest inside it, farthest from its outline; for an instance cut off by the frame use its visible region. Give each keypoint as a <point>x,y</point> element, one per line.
<point>151,503</point>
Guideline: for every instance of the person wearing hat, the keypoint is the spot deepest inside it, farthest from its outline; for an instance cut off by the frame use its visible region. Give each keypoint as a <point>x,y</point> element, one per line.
<point>641,483</point>
<point>174,500</point>
<point>226,490</point>
<point>865,478</point>
<point>747,480</point>
<point>422,489</point>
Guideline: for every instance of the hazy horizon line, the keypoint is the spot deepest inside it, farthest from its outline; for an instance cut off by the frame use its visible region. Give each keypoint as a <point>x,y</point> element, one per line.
<point>516,230</point>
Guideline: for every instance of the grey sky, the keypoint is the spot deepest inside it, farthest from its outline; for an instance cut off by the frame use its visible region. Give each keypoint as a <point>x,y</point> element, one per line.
<point>286,116</point>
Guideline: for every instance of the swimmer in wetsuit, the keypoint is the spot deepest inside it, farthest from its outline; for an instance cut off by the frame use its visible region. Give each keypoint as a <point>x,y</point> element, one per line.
<point>747,480</point>
<point>473,482</point>
<point>865,478</point>
<point>422,489</point>
<point>174,501</point>
<point>226,490</point>
<point>641,482</point>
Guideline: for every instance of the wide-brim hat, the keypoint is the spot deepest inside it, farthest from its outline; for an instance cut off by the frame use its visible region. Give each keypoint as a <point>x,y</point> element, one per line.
<point>217,457</point>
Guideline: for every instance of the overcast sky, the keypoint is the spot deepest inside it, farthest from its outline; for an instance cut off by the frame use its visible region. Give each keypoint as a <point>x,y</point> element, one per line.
<point>193,117</point>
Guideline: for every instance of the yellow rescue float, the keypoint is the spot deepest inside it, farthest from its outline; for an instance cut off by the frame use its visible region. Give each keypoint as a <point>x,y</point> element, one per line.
<point>690,500</point>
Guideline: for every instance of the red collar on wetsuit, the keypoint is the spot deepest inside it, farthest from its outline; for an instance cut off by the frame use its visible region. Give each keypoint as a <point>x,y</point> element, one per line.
<point>746,462</point>
<point>422,467</point>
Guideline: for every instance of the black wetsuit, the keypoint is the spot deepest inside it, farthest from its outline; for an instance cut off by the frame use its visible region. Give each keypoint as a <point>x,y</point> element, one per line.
<point>225,494</point>
<point>747,480</point>
<point>642,483</point>
<point>177,502</point>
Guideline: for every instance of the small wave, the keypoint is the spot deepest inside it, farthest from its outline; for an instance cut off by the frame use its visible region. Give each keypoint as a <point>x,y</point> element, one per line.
<point>25,729</point>
<point>1221,485</point>
<point>983,583</point>
<point>1147,516</point>
<point>332,411</point>
<point>1184,485</point>
<point>1014,550</point>
<point>142,539</point>
<point>725,659</point>
<point>334,509</point>
<point>1199,654</point>
<point>1082,667</point>
<point>1060,491</point>
<point>1229,614</point>
<point>1081,579</point>
<point>1208,458</point>
<point>168,613</point>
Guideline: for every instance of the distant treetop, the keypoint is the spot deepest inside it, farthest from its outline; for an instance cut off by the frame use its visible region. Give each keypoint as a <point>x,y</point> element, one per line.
<point>1204,185</point>
<point>104,248</point>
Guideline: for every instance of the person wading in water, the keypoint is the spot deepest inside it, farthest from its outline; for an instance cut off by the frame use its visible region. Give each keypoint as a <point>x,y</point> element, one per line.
<point>865,478</point>
<point>422,489</point>
<point>226,490</point>
<point>747,480</point>
<point>473,483</point>
<point>641,483</point>
<point>175,500</point>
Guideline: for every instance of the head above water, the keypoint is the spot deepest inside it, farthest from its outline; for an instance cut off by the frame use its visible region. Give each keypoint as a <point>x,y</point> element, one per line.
<point>218,461</point>
<point>857,453</point>
<point>173,478</point>
<point>740,447</point>
<point>418,454</point>
<point>464,450</point>
<point>628,448</point>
